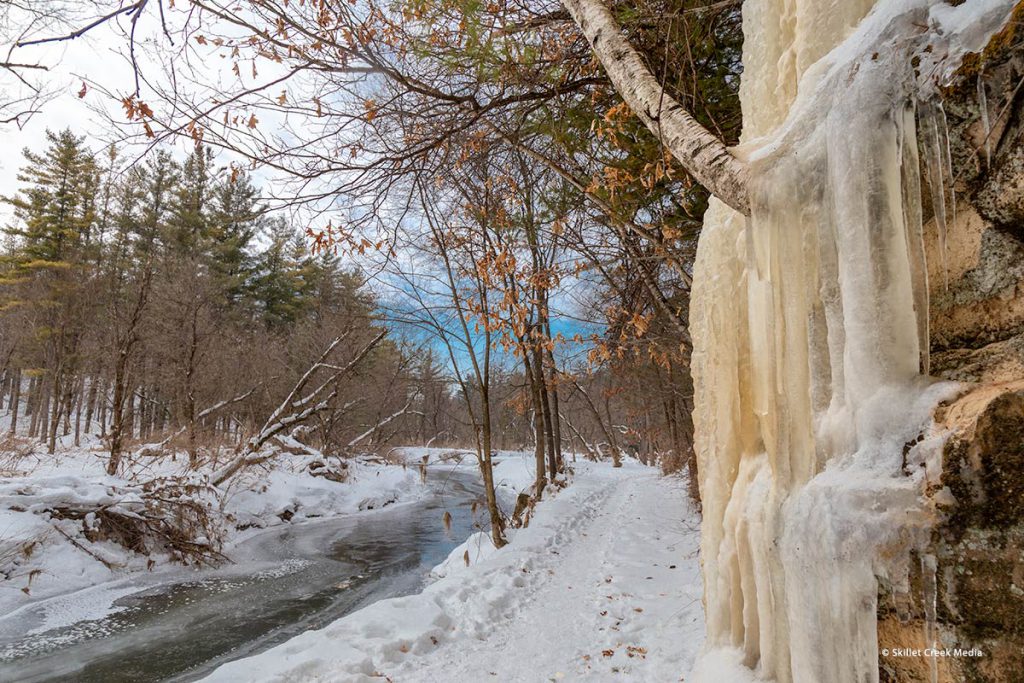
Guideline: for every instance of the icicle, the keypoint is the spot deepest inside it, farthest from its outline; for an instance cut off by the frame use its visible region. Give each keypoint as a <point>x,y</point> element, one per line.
<point>938,159</point>
<point>929,597</point>
<point>985,124</point>
<point>948,168</point>
<point>810,322</point>
<point>935,164</point>
<point>914,225</point>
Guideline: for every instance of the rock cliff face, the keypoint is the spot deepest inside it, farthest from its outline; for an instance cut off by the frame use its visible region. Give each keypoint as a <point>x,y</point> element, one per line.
<point>973,569</point>
<point>971,577</point>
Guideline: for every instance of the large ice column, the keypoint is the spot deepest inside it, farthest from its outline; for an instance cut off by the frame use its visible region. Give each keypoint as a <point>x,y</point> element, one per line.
<point>809,321</point>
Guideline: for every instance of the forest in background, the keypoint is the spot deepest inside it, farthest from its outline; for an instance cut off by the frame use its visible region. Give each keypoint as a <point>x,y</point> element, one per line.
<point>162,304</point>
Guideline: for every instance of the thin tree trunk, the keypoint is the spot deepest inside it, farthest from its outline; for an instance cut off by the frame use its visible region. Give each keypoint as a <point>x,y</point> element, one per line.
<point>44,412</point>
<point>15,401</point>
<point>103,395</point>
<point>123,416</point>
<point>30,405</point>
<point>190,398</point>
<point>552,378</point>
<point>546,412</point>
<point>90,405</point>
<point>556,429</point>
<point>538,425</point>
<point>146,413</point>
<point>487,470</point>
<point>55,412</point>
<point>79,400</point>
<point>67,404</point>
<point>129,412</point>
<point>118,419</point>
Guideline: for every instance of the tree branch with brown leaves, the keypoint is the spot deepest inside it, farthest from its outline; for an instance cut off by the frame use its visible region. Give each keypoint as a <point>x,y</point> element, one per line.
<point>700,152</point>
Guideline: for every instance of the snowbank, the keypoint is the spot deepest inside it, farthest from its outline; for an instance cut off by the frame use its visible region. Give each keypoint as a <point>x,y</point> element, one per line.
<point>43,555</point>
<point>291,494</point>
<point>470,552</point>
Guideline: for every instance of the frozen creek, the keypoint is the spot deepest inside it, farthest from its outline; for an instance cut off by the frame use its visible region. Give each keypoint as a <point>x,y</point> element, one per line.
<point>180,625</point>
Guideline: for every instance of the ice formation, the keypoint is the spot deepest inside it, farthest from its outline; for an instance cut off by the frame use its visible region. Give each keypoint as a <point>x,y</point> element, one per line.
<point>810,326</point>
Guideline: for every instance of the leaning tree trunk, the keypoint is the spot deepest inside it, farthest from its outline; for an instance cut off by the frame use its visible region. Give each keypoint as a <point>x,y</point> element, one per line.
<point>702,154</point>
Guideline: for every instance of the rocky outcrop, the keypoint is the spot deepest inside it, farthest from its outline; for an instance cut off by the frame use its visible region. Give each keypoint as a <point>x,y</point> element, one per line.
<point>972,571</point>
<point>967,582</point>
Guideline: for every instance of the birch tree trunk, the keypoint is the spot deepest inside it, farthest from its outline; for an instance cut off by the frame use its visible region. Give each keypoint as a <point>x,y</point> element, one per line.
<point>702,154</point>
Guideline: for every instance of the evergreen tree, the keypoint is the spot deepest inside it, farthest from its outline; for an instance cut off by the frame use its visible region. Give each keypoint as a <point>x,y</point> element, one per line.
<point>57,210</point>
<point>127,293</point>
<point>279,288</point>
<point>49,266</point>
<point>190,223</point>
<point>233,222</point>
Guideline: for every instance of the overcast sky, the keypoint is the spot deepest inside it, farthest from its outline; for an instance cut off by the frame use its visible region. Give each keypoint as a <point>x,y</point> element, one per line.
<point>98,56</point>
<point>93,56</point>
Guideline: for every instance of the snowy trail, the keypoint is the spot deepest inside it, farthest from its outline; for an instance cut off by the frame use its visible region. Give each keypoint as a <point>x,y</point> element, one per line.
<point>622,580</point>
<point>605,582</point>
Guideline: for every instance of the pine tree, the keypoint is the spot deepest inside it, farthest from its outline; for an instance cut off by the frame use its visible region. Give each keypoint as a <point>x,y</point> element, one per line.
<point>233,222</point>
<point>57,209</point>
<point>49,266</point>
<point>278,289</point>
<point>190,223</point>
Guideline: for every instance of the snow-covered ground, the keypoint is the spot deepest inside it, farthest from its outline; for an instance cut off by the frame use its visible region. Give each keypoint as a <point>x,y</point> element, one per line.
<point>605,582</point>
<point>42,556</point>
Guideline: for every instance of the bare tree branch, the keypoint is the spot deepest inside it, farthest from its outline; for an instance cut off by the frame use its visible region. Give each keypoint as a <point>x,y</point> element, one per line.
<point>294,411</point>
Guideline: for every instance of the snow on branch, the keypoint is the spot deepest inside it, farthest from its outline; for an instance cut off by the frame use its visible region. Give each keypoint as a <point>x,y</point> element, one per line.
<point>154,448</point>
<point>405,409</point>
<point>297,407</point>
